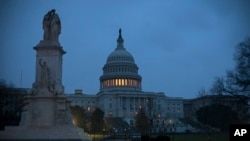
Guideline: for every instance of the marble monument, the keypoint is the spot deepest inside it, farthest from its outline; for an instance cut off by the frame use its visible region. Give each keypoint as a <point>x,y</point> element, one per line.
<point>47,114</point>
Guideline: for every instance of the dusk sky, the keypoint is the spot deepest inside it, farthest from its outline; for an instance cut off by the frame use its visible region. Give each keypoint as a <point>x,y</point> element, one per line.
<point>178,45</point>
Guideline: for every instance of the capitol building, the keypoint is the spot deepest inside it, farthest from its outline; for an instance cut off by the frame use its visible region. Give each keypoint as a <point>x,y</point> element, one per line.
<point>121,95</point>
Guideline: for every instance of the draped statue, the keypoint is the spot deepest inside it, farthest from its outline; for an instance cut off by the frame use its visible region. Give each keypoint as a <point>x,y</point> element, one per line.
<point>51,26</point>
<point>44,74</point>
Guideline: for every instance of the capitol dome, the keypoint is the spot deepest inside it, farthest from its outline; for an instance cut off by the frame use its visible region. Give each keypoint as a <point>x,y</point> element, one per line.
<point>120,71</point>
<point>120,55</point>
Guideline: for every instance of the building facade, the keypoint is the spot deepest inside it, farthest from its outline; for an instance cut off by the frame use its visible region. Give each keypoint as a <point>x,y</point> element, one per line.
<point>121,94</point>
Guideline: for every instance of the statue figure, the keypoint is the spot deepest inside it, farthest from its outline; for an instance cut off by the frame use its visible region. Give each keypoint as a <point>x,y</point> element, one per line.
<point>44,74</point>
<point>51,26</point>
<point>56,88</point>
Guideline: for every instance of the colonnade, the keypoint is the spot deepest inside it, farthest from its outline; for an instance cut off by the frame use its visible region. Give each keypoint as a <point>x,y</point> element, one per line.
<point>124,82</point>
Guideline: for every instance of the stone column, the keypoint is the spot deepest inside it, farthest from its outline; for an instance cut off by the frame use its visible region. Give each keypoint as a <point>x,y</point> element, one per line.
<point>49,66</point>
<point>47,103</point>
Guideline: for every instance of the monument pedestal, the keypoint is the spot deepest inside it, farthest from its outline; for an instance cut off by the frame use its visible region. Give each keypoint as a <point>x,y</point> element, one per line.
<point>44,133</point>
<point>45,109</point>
<point>46,117</point>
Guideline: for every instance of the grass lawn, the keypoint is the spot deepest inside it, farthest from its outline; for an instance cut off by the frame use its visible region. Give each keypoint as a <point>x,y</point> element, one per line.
<point>182,137</point>
<point>200,137</point>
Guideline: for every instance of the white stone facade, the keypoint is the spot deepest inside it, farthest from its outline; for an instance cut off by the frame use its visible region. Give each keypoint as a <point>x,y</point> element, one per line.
<point>121,95</point>
<point>126,104</point>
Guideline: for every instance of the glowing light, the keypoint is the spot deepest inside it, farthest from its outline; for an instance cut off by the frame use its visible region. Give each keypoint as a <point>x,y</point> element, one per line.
<point>170,121</point>
<point>120,82</point>
<point>74,122</point>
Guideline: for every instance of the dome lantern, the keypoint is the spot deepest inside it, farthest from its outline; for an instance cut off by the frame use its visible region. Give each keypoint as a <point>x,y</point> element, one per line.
<point>120,40</point>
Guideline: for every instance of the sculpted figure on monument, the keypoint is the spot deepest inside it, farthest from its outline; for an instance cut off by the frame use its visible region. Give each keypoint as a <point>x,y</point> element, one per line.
<point>44,74</point>
<point>56,88</point>
<point>51,26</point>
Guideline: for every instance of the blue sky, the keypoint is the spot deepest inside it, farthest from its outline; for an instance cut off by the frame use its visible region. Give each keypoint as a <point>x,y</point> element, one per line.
<point>179,46</point>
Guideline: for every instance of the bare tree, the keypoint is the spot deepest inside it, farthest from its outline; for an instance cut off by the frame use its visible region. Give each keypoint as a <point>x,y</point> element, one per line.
<point>202,92</point>
<point>237,81</point>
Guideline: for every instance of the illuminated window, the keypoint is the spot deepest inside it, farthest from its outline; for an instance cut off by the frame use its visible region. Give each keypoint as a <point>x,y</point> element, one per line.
<point>119,82</point>
<point>122,82</point>
<point>116,82</point>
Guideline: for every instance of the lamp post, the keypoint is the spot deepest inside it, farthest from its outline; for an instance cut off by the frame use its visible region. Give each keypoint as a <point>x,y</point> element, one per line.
<point>115,131</point>
<point>103,131</point>
<point>171,123</point>
<point>125,133</point>
<point>173,131</point>
<point>128,132</point>
<point>150,106</point>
